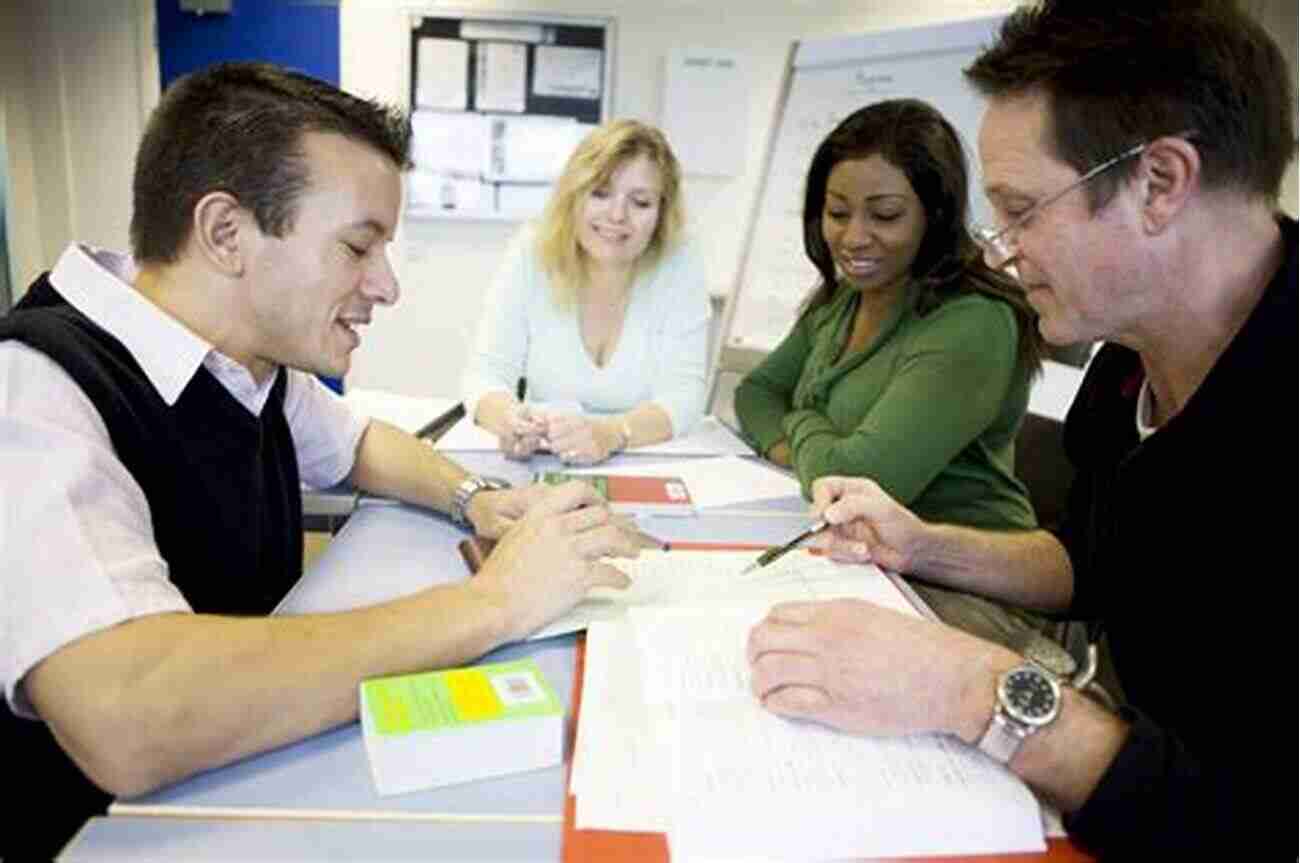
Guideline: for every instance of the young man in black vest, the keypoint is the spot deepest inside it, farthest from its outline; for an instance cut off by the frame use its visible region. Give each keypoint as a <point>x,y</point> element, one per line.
<point>157,416</point>
<point>1133,154</point>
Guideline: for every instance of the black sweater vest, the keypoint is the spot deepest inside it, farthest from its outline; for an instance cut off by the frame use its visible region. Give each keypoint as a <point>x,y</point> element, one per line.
<point>223,493</point>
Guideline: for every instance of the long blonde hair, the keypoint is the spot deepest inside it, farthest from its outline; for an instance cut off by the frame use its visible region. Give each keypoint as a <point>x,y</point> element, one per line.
<point>592,164</point>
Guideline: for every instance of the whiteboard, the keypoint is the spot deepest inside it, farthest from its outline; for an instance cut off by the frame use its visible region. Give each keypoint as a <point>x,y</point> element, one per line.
<point>827,80</point>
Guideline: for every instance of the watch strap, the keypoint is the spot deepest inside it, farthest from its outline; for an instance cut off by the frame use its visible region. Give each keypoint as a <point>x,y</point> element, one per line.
<point>465,491</point>
<point>1003,737</point>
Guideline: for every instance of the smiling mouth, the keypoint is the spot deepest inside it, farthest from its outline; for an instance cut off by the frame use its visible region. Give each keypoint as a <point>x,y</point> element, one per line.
<point>352,326</point>
<point>610,234</point>
<point>859,266</point>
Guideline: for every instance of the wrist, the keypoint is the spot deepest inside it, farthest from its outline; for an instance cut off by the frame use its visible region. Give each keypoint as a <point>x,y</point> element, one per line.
<point>467,493</point>
<point>491,607</point>
<point>935,548</point>
<point>618,434</point>
<point>975,696</point>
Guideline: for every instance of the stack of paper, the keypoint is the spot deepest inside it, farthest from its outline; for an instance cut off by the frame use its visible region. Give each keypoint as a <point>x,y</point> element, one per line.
<point>666,700</point>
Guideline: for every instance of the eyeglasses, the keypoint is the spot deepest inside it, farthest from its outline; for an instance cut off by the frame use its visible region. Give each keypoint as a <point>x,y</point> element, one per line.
<point>999,244</point>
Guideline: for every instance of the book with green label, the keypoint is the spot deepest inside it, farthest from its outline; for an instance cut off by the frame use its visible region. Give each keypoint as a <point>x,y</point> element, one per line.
<point>460,724</point>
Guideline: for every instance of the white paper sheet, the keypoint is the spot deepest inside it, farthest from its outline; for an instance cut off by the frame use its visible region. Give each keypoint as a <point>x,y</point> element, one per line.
<point>499,85</point>
<point>440,194</point>
<point>530,148</point>
<point>408,413</point>
<point>669,578</point>
<point>571,73</point>
<point>706,97</point>
<point>449,142</point>
<point>709,437</point>
<point>619,738</point>
<point>466,435</point>
<point>443,74</point>
<point>748,783</point>
<point>523,200</point>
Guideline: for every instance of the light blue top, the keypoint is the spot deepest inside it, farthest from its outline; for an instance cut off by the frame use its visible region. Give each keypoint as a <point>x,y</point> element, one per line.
<point>661,356</point>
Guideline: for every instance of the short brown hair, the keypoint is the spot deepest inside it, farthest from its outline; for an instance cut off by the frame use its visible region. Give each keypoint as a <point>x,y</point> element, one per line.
<point>1117,74</point>
<point>238,128</point>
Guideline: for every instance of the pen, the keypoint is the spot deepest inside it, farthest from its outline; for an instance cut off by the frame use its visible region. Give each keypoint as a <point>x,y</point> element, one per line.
<point>778,550</point>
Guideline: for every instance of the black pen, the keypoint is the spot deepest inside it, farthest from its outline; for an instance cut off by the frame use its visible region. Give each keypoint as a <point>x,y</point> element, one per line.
<point>779,550</point>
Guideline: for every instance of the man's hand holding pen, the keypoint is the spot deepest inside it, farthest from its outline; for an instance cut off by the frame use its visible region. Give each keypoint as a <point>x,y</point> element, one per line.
<point>866,524</point>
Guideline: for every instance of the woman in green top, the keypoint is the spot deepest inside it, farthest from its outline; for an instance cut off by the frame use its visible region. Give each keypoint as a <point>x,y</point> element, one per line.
<point>911,362</point>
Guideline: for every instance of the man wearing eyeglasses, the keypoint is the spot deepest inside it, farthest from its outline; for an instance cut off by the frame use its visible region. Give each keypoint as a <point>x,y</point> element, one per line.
<point>1133,157</point>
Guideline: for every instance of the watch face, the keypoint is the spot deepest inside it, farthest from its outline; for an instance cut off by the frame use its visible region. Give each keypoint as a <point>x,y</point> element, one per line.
<point>1030,696</point>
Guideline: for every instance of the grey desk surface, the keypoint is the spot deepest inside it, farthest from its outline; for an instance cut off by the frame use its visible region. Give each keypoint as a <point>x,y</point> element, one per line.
<point>382,552</point>
<point>142,840</point>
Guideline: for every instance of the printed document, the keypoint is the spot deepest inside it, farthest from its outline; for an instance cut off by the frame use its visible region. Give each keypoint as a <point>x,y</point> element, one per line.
<point>668,578</point>
<point>728,780</point>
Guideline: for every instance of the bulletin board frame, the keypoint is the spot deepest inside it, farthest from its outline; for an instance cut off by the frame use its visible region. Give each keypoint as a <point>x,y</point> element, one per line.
<point>535,36</point>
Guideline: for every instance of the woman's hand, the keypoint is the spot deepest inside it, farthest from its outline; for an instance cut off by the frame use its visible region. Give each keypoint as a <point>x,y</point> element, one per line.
<point>579,439</point>
<point>524,434</point>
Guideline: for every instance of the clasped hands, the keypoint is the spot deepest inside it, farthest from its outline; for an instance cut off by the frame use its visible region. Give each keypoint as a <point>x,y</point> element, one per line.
<point>575,439</point>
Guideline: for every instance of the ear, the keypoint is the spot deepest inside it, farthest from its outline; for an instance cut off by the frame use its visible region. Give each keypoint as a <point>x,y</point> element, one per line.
<point>1170,173</point>
<point>220,226</point>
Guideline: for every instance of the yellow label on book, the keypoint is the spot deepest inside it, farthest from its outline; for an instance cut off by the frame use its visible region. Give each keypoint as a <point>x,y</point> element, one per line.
<point>472,694</point>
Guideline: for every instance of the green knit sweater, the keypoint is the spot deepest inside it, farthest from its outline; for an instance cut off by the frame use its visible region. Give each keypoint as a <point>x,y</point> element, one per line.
<point>929,409</point>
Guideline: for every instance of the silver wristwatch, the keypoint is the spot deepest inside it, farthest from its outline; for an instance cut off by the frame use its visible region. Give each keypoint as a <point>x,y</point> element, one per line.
<point>470,486</point>
<point>1028,700</point>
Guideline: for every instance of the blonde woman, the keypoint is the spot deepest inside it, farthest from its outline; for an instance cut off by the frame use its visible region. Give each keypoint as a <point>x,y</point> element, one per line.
<point>598,305</point>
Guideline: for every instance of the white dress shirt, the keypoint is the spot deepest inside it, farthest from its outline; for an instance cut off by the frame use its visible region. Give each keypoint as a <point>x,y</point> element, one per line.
<point>77,552</point>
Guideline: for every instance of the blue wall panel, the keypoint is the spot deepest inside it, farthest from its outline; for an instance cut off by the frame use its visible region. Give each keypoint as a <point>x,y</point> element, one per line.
<point>296,33</point>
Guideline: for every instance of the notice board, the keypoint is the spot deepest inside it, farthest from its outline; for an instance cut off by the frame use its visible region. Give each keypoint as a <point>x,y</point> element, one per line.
<point>498,101</point>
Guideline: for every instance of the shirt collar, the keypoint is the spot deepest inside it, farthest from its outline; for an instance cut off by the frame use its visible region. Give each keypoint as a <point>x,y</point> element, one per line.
<point>98,283</point>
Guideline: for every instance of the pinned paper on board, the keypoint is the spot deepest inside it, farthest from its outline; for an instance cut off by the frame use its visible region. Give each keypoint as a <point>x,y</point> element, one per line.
<point>501,76</point>
<point>566,72</point>
<point>705,102</point>
<point>443,74</point>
